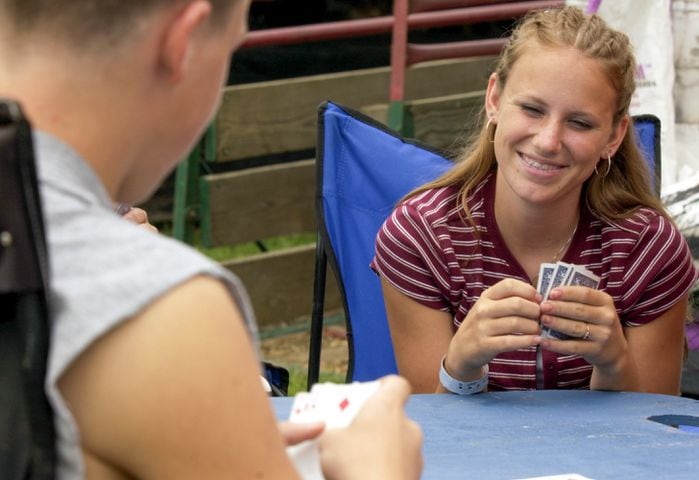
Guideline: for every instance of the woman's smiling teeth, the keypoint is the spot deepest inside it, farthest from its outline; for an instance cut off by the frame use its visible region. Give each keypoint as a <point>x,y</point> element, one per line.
<point>540,166</point>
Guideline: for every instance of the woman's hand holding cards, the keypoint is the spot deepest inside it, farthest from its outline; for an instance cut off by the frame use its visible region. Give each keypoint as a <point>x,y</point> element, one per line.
<point>589,318</point>
<point>505,318</point>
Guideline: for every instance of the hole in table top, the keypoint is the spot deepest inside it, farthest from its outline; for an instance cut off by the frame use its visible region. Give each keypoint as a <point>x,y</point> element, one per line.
<point>686,423</point>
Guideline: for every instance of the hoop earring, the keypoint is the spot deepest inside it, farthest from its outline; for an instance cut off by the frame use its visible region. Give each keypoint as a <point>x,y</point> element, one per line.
<point>487,129</point>
<point>609,165</point>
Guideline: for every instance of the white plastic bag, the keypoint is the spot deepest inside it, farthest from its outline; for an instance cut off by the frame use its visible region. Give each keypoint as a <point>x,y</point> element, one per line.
<point>648,23</point>
<point>685,25</point>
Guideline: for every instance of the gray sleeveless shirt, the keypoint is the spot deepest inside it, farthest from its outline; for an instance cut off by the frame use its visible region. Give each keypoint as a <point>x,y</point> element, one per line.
<point>104,270</point>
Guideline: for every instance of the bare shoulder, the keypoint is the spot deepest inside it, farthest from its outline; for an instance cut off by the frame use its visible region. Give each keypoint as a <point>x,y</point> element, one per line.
<point>174,393</point>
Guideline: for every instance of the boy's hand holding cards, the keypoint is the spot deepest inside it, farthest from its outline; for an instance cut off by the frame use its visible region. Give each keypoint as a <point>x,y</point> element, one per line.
<point>334,404</point>
<point>552,275</point>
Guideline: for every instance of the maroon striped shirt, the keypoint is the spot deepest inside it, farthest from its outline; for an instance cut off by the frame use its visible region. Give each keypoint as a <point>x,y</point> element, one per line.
<point>430,253</point>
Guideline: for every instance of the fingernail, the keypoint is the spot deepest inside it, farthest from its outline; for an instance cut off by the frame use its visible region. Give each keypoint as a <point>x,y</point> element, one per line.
<point>122,208</point>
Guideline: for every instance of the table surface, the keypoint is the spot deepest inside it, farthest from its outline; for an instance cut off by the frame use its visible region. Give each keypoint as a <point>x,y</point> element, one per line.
<point>515,435</point>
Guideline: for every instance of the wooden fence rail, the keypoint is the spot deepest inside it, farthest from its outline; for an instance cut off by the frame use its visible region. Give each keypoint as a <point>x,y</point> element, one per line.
<point>263,202</point>
<point>277,117</point>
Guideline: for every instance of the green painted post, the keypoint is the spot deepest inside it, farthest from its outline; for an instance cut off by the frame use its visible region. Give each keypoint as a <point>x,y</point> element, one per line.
<point>210,143</point>
<point>204,214</point>
<point>396,115</point>
<point>186,183</point>
<point>186,210</point>
<point>399,119</point>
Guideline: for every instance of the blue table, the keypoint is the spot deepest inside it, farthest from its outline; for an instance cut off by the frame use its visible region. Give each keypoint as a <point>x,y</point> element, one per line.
<point>513,435</point>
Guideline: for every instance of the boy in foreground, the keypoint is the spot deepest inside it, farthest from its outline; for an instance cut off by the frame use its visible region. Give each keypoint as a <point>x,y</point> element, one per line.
<point>152,373</point>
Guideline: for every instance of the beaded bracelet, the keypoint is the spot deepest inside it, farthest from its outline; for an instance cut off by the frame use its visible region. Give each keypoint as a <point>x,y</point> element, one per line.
<point>462,388</point>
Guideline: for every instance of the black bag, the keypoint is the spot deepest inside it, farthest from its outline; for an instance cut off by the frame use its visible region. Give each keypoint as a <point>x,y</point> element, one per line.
<point>278,379</point>
<point>26,418</point>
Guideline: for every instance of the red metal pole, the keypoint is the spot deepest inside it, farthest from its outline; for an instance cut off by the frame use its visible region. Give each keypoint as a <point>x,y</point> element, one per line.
<point>430,5</point>
<point>378,25</point>
<point>399,42</point>
<point>477,14</point>
<point>318,32</point>
<point>418,53</point>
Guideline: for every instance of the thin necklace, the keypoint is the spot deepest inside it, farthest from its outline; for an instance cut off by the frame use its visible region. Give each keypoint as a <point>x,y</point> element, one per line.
<point>566,244</point>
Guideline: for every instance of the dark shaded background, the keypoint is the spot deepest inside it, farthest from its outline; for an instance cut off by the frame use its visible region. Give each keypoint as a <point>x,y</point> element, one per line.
<point>272,63</point>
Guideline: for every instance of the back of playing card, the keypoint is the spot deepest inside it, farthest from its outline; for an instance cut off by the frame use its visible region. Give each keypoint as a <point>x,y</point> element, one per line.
<point>584,277</point>
<point>559,277</point>
<point>567,274</point>
<point>544,279</point>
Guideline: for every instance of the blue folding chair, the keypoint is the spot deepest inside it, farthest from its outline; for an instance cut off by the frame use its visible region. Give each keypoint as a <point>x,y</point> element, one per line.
<point>362,170</point>
<point>648,137</point>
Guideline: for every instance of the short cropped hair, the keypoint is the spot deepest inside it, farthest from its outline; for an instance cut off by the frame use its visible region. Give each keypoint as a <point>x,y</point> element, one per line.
<point>86,22</point>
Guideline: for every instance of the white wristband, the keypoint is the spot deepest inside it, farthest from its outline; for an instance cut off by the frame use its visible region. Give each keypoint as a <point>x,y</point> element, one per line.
<point>462,388</point>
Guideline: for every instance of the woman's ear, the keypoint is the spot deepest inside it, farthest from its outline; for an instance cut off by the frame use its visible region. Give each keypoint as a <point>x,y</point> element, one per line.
<point>492,97</point>
<point>180,30</point>
<point>617,136</point>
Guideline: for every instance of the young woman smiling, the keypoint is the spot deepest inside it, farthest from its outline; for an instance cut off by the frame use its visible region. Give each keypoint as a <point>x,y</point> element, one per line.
<point>554,174</point>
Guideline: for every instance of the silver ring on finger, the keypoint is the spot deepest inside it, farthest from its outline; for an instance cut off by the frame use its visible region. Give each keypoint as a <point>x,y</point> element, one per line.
<point>587,332</point>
